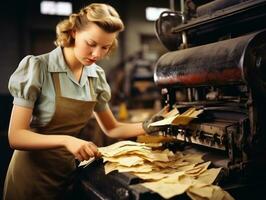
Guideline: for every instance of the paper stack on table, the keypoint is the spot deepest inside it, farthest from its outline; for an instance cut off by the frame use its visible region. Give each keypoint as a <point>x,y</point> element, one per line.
<point>167,173</point>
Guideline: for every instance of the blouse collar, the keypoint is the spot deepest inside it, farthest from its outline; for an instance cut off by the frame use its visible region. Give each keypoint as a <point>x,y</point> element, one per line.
<point>57,63</point>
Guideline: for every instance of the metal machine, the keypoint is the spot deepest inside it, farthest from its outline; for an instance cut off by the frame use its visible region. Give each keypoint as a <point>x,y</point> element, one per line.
<point>226,79</point>
<point>216,62</point>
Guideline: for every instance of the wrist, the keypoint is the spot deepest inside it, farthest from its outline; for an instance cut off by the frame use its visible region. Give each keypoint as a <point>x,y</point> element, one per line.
<point>64,140</point>
<point>145,125</point>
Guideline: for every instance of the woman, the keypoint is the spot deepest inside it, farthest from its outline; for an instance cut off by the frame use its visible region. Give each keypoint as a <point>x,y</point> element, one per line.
<point>55,94</point>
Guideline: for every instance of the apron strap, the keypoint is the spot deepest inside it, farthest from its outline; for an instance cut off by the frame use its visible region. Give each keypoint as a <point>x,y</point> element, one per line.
<point>93,97</point>
<point>56,84</point>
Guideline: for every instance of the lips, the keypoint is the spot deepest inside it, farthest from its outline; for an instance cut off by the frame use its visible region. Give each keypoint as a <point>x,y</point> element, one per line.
<point>90,60</point>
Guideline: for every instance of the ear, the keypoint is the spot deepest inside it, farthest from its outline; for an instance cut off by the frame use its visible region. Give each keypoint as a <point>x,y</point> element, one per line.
<point>73,33</point>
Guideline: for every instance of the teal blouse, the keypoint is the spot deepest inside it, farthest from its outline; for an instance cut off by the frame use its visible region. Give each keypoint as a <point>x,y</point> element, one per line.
<point>31,85</point>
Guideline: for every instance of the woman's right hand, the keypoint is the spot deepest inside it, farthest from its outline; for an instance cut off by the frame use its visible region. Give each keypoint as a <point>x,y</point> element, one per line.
<point>81,149</point>
<point>156,117</point>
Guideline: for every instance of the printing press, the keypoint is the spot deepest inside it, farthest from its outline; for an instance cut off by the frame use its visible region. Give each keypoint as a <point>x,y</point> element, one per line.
<point>216,62</point>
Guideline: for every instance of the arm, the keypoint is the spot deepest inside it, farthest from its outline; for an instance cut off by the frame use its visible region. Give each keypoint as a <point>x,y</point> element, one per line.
<point>20,137</point>
<point>112,128</point>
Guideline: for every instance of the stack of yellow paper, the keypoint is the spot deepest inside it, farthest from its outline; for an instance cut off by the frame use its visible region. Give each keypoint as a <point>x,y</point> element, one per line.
<point>167,173</point>
<point>164,172</point>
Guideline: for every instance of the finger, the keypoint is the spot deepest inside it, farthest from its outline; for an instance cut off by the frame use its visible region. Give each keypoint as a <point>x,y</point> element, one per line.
<point>157,118</point>
<point>93,148</point>
<point>89,151</point>
<point>93,145</point>
<point>99,154</point>
<point>164,110</point>
<point>78,157</point>
<point>167,108</point>
<point>84,154</point>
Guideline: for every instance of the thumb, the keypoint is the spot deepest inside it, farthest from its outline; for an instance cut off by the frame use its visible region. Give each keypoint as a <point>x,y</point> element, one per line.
<point>164,110</point>
<point>157,118</point>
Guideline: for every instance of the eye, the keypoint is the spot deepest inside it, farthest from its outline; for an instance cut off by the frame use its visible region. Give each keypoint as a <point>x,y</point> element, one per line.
<point>106,47</point>
<point>90,44</point>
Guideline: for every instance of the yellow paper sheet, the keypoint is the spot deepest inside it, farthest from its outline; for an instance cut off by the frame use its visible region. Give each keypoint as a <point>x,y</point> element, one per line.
<point>128,161</point>
<point>173,112</point>
<point>166,190</point>
<point>179,119</point>
<point>193,158</point>
<point>138,168</point>
<point>124,150</point>
<point>199,169</point>
<point>209,175</point>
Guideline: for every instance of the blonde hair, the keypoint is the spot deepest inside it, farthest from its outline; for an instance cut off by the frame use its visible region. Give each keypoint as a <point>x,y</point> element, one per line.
<point>103,15</point>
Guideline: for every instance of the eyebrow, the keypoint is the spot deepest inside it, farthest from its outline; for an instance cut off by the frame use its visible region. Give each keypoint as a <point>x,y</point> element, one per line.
<point>91,40</point>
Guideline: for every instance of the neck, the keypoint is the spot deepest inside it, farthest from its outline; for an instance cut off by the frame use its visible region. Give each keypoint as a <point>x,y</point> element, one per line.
<point>71,60</point>
<point>74,65</point>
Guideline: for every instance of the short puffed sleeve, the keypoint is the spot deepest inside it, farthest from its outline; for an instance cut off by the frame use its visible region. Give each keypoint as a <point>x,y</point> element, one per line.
<point>25,83</point>
<point>103,91</point>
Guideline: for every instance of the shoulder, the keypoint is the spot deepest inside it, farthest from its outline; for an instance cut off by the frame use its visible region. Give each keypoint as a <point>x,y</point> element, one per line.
<point>29,60</point>
<point>95,71</point>
<point>32,66</point>
<point>99,71</point>
<point>32,62</point>
<point>26,82</point>
<point>27,65</point>
<point>98,68</point>
<point>44,59</point>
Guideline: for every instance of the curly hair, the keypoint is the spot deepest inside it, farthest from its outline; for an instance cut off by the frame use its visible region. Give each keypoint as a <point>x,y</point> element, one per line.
<point>103,15</point>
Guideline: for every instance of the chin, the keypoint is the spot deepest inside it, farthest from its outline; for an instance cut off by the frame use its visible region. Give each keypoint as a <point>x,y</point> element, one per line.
<point>87,63</point>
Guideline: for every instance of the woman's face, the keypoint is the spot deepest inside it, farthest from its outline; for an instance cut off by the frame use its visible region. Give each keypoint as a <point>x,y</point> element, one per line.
<point>92,44</point>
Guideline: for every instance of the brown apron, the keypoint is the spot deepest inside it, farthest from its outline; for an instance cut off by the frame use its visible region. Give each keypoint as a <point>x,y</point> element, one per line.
<point>42,174</point>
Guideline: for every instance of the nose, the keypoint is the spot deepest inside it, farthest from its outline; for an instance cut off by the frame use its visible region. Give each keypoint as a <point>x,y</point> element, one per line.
<point>96,53</point>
